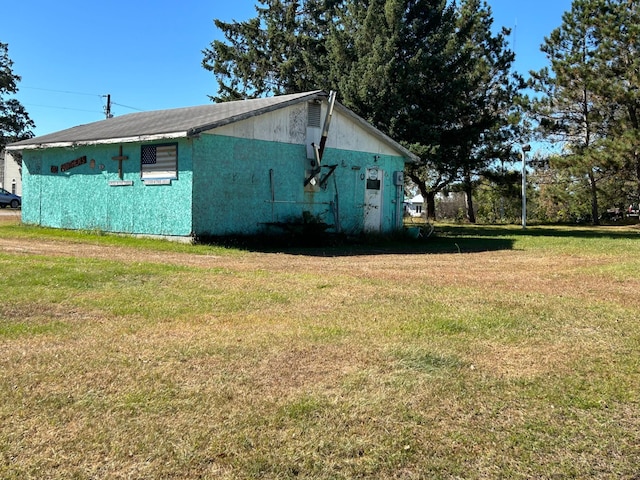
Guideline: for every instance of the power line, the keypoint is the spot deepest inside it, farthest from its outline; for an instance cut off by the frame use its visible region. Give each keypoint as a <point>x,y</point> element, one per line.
<point>126,106</point>
<point>60,108</point>
<point>62,91</point>
<point>107,108</point>
<point>69,92</point>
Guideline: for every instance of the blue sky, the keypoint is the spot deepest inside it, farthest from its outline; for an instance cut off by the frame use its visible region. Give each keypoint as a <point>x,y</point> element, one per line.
<point>147,54</point>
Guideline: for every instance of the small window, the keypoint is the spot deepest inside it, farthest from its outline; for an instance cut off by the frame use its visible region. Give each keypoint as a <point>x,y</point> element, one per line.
<point>159,161</point>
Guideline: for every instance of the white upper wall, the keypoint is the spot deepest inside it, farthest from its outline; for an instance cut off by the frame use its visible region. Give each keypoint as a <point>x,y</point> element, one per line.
<point>289,125</point>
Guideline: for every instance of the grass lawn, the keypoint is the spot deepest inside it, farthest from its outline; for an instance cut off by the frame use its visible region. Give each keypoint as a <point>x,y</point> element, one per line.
<point>484,352</point>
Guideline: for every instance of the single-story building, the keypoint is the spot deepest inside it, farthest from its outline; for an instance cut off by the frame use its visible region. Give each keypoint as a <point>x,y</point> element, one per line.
<point>237,168</point>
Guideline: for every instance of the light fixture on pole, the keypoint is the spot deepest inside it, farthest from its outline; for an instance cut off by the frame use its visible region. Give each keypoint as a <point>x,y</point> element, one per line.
<point>524,149</point>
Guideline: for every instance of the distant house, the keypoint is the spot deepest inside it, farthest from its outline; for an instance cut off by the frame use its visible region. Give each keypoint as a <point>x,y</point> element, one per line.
<point>244,167</point>
<point>10,173</point>
<point>414,206</point>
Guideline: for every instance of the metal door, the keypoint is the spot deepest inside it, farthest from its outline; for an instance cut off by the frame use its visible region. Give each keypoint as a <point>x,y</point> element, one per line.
<point>373,200</point>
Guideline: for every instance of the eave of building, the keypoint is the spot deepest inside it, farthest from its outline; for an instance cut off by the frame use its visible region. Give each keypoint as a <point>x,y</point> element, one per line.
<point>102,141</point>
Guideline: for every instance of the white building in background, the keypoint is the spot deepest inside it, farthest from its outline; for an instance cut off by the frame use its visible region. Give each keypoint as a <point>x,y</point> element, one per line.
<point>414,207</point>
<point>10,173</point>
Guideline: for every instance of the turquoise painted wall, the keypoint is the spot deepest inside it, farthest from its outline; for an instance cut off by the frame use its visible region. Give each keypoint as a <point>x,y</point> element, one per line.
<point>225,186</point>
<point>81,197</point>
<point>245,186</point>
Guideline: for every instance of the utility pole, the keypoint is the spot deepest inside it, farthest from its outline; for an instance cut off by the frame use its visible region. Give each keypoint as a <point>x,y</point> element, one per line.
<point>107,109</point>
<point>524,148</point>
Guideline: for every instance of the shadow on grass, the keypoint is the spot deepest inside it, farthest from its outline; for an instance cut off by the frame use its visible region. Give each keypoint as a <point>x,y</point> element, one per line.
<point>446,239</point>
<point>569,231</point>
<point>339,246</point>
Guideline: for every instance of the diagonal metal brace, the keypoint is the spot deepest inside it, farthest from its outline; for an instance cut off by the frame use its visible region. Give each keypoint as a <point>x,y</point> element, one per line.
<point>323,180</point>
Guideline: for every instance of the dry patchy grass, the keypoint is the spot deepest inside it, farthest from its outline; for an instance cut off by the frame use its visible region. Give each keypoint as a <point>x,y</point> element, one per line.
<point>122,362</point>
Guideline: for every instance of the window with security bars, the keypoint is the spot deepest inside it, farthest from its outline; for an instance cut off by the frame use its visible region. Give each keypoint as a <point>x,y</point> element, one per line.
<point>159,161</point>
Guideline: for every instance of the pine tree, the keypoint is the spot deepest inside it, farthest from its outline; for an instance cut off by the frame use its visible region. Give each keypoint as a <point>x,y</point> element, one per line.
<point>590,98</point>
<point>475,120</point>
<point>428,73</point>
<point>282,50</point>
<point>573,109</point>
<point>618,60</point>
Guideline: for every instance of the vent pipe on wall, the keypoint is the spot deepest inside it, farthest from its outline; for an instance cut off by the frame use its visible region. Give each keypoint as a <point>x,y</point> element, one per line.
<point>319,149</point>
<point>327,123</point>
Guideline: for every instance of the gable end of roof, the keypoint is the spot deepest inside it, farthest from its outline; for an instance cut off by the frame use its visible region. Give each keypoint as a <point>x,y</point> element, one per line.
<point>254,113</point>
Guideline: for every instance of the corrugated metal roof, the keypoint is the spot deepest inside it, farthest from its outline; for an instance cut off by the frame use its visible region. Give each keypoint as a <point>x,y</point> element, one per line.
<point>174,123</point>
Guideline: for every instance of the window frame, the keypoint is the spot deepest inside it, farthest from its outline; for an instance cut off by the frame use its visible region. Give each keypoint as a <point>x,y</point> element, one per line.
<point>147,174</point>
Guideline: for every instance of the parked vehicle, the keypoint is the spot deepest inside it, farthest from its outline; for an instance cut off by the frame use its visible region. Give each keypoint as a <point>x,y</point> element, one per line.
<point>9,199</point>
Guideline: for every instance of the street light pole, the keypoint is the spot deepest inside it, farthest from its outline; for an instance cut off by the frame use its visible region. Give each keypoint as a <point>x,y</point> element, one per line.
<point>524,149</point>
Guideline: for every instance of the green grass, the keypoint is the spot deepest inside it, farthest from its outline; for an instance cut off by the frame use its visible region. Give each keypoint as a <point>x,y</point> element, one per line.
<point>484,352</point>
<point>26,232</point>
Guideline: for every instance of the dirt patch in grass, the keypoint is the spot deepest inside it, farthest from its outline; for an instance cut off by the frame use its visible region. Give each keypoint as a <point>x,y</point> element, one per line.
<point>59,248</point>
<point>518,271</point>
<point>522,361</point>
<point>309,368</point>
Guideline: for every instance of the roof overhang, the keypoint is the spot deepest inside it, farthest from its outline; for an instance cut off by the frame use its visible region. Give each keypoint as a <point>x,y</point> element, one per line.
<point>105,141</point>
